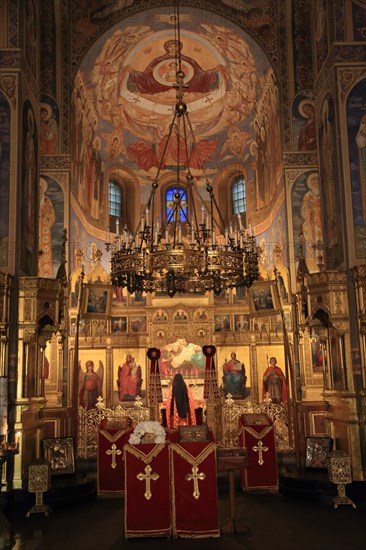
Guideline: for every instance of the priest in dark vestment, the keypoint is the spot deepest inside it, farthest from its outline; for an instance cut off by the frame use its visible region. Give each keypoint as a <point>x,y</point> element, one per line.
<point>180,404</point>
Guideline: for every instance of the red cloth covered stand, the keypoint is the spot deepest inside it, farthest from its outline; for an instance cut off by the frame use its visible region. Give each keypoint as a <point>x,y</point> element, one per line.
<point>147,490</point>
<point>194,487</point>
<point>259,440</point>
<point>110,463</point>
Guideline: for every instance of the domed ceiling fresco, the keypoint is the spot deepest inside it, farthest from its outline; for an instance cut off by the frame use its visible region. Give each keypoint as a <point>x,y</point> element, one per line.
<point>124,98</point>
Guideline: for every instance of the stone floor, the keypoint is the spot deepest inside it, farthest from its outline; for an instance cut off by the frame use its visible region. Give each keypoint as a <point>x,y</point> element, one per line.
<point>266,521</point>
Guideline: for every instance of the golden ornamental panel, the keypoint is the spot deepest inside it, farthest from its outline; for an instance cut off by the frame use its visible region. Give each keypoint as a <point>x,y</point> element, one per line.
<point>90,419</point>
<point>232,411</point>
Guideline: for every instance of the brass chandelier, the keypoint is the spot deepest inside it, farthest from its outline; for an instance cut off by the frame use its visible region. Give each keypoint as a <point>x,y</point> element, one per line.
<point>186,253</point>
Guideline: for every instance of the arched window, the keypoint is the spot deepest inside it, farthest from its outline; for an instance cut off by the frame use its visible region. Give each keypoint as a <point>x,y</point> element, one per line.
<point>115,199</point>
<point>238,195</point>
<point>181,212</point>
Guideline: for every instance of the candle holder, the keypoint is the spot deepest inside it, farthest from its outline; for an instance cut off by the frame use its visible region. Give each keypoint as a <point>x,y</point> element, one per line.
<point>339,471</point>
<point>39,481</point>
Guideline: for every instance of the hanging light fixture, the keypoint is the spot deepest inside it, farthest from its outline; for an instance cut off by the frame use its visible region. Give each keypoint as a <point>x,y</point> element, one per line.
<point>186,253</point>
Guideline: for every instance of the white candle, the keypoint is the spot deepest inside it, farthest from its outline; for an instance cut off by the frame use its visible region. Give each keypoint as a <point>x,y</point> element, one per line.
<point>226,236</point>
<point>202,214</point>
<point>240,223</point>
<point>250,229</point>
<point>147,216</point>
<point>117,227</point>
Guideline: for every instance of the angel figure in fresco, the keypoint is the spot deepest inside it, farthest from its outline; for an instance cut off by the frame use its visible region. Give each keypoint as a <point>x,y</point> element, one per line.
<point>236,141</point>
<point>90,384</point>
<point>115,145</point>
<point>147,156</point>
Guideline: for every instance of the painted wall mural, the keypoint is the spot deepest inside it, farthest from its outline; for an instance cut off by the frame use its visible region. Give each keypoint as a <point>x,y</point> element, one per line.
<point>274,249</point>
<point>303,123</point>
<point>124,95</point>
<point>81,240</point>
<point>306,215</point>
<point>329,183</point>
<point>359,20</point>
<point>301,20</point>
<point>356,125</point>
<point>5,119</point>
<point>51,224</point>
<point>48,130</point>
<point>29,190</point>
<point>321,33</point>
<point>31,34</point>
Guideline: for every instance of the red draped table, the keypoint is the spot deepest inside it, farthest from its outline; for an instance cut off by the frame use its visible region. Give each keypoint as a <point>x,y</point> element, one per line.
<point>194,487</point>
<point>147,490</point>
<point>257,436</point>
<point>111,470</point>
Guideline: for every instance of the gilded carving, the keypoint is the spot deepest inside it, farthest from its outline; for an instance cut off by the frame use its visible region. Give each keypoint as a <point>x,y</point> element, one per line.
<point>327,277</point>
<point>28,309</point>
<point>338,302</point>
<point>359,272</point>
<point>8,85</point>
<point>55,162</point>
<point>348,77</point>
<point>10,58</point>
<point>300,159</point>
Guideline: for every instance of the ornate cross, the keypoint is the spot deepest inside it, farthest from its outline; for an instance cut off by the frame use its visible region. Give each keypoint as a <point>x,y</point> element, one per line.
<point>260,449</point>
<point>195,476</point>
<point>114,452</point>
<point>147,477</point>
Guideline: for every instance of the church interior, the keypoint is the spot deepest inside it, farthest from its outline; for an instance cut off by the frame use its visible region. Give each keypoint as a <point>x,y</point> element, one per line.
<point>182,252</point>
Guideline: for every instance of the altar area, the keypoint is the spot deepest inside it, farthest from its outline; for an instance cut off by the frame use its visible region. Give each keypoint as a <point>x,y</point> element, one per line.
<point>168,483</point>
<point>104,433</point>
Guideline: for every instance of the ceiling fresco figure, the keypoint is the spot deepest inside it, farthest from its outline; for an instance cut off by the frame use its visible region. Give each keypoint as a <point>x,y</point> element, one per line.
<point>223,79</point>
<point>146,157</point>
<point>160,73</point>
